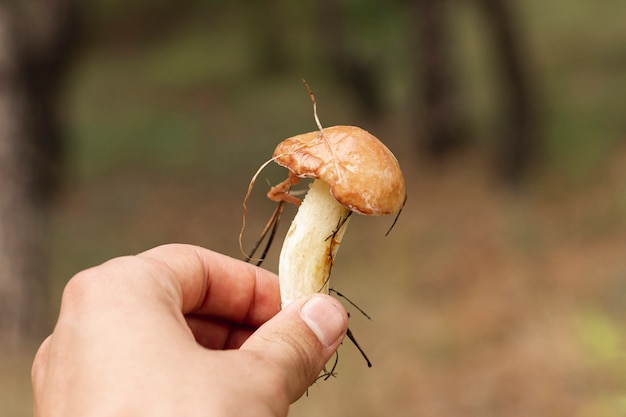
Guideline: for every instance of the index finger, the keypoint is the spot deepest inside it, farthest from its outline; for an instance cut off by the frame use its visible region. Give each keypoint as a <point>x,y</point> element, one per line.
<point>216,285</point>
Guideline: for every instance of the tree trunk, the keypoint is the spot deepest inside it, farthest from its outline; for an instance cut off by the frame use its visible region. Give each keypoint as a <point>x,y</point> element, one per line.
<point>518,145</point>
<point>358,77</point>
<point>267,26</point>
<point>34,44</point>
<point>442,121</point>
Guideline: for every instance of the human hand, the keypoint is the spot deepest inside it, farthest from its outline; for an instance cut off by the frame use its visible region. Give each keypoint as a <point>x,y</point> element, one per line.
<point>181,330</point>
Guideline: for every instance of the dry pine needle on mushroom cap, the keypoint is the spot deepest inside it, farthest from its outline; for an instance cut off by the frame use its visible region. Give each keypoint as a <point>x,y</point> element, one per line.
<point>362,172</point>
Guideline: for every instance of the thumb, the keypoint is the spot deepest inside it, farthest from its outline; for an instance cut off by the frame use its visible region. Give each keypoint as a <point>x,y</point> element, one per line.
<point>300,340</point>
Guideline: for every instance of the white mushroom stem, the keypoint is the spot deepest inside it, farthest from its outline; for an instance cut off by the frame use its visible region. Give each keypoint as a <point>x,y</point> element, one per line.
<point>309,248</point>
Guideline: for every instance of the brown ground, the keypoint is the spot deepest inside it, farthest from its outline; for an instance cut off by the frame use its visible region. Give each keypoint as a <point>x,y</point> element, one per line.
<point>484,302</point>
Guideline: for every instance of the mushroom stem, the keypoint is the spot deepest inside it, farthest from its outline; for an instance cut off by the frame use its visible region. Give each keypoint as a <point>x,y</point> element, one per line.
<point>312,240</point>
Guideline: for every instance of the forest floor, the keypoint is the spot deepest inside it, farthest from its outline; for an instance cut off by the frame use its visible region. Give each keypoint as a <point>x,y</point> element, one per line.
<point>484,302</point>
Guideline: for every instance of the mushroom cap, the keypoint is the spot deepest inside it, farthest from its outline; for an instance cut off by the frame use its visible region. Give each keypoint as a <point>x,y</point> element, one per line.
<point>362,172</point>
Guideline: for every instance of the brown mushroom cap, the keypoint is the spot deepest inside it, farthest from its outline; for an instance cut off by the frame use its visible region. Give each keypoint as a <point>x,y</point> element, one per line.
<point>362,172</point>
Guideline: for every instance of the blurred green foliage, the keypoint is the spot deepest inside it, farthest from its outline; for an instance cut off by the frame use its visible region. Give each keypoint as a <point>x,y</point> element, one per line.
<point>168,47</point>
<point>602,336</point>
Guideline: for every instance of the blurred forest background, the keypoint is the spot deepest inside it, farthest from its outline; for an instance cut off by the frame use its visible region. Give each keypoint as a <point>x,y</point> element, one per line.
<point>501,291</point>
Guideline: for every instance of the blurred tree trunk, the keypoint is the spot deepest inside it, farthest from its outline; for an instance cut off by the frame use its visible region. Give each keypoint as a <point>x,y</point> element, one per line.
<point>444,121</point>
<point>35,42</point>
<point>442,118</point>
<point>267,25</point>
<point>357,76</point>
<point>519,137</point>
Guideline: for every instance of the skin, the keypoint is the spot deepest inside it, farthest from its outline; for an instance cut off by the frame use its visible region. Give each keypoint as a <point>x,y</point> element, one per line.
<point>181,330</point>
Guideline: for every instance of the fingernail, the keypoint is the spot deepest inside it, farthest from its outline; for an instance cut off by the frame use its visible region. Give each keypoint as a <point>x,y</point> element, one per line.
<point>324,318</point>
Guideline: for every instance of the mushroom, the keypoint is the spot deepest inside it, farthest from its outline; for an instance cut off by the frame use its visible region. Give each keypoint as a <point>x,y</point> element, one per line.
<point>353,171</point>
